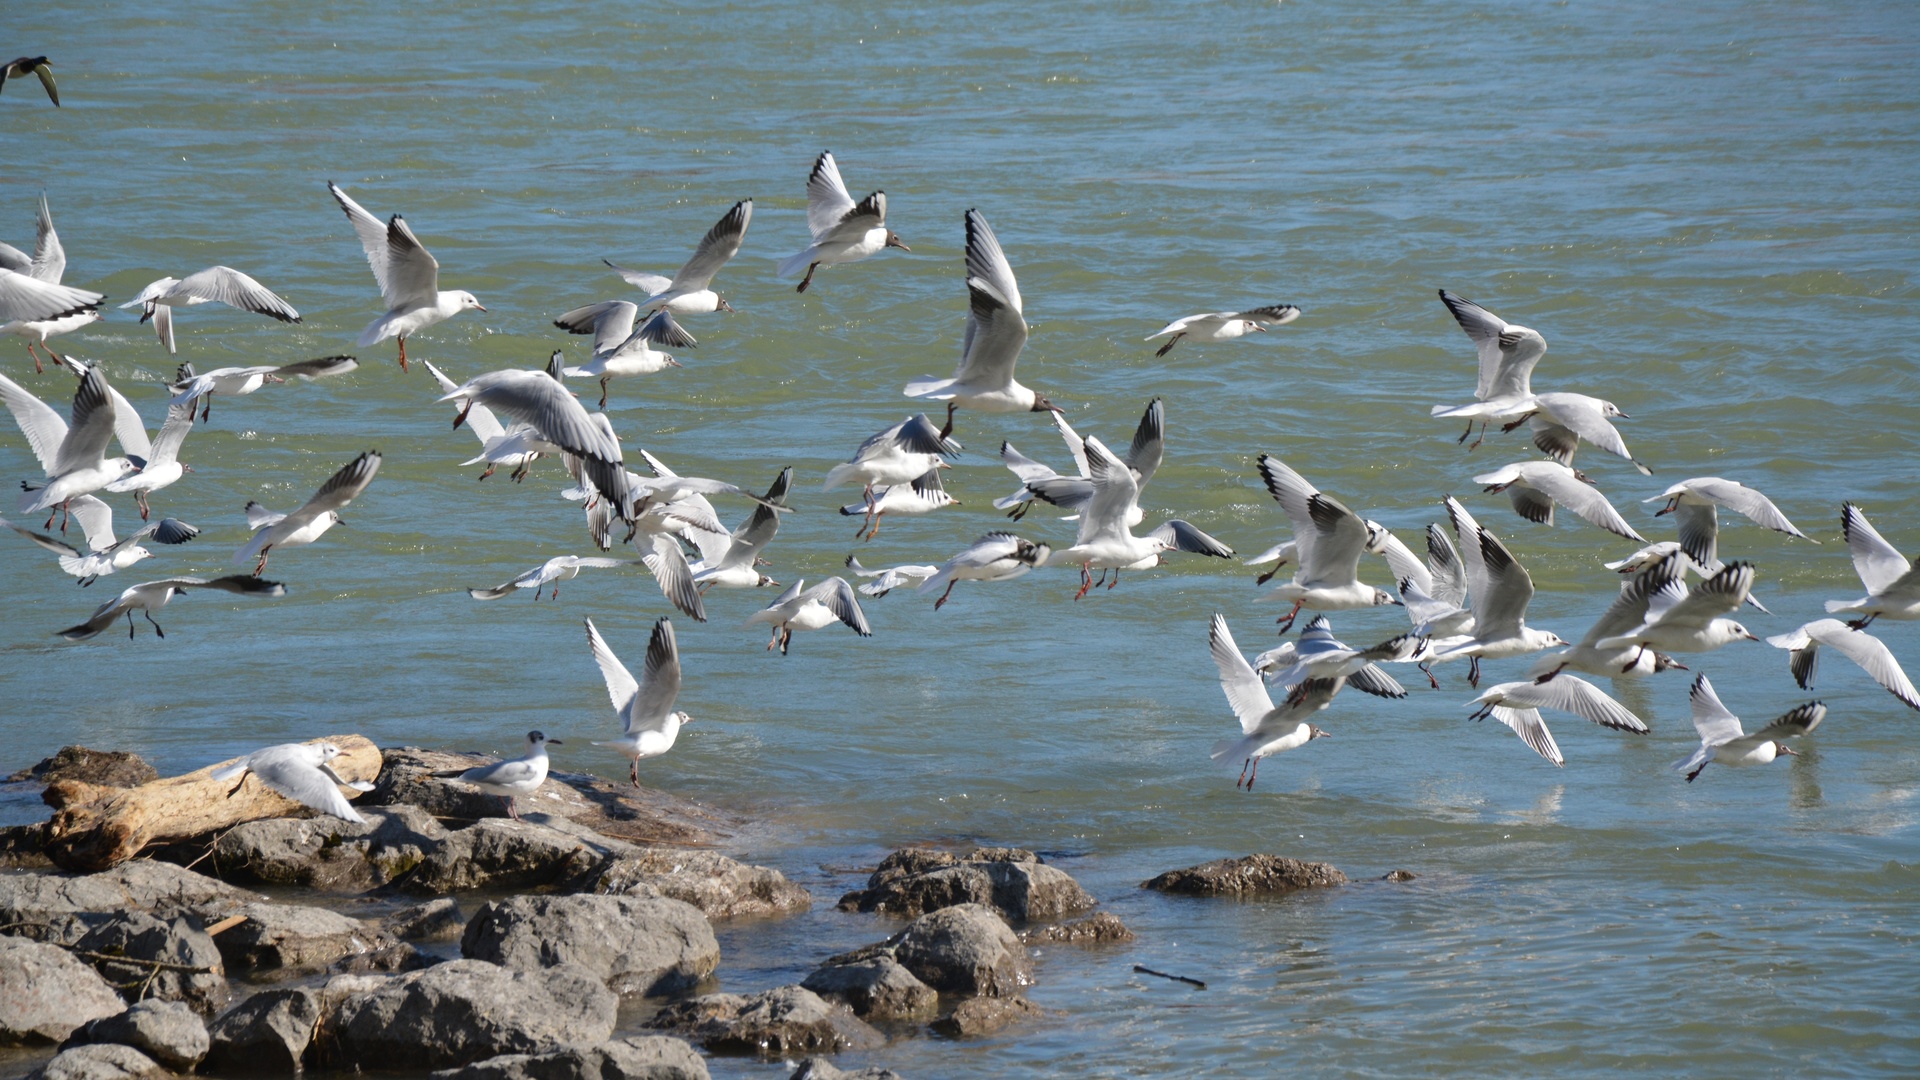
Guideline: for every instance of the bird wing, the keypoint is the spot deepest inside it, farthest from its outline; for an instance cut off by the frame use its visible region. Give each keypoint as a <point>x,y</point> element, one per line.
<point>373,240</point>
<point>1149,442</point>
<point>1114,494</point>
<point>1183,536</point>
<point>1798,722</point>
<point>1449,576</point>
<point>650,284</point>
<point>49,257</point>
<point>479,417</point>
<point>1295,496</point>
<point>1628,612</point>
<point>659,681</point>
<point>96,521</point>
<point>719,245</point>
<point>661,330</point>
<point>43,427</point>
<point>1584,415</point>
<point>297,776</point>
<point>1502,606</point>
<point>827,198</point>
<point>610,322</point>
<point>1473,565</point>
<point>43,540</point>
<point>1570,693</point>
<point>1742,499</point>
<point>235,289</point>
<point>1271,315</point>
<point>1862,648</point>
<point>45,71</point>
<point>1554,440</point>
<point>340,489</point>
<point>173,433</point>
<point>868,214</point>
<point>1699,527</point>
<point>621,686</point>
<point>1710,718</point>
<point>1563,486</point>
<point>669,566</point>
<point>996,329</point>
<point>91,428</point>
<point>1508,354</point>
<point>532,398</point>
<point>756,534</point>
<point>1371,679</point>
<point>837,596</point>
<point>1532,730</point>
<point>1878,563</point>
<point>1403,564</point>
<point>28,298</point>
<point>1246,691</point>
<point>318,368</point>
<point>1717,596</point>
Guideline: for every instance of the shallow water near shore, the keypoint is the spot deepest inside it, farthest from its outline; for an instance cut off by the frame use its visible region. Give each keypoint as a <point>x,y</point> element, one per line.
<point>1710,211</point>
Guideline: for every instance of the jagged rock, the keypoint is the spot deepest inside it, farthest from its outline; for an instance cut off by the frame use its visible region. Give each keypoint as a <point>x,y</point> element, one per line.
<point>284,939</point>
<point>139,936</point>
<point>876,988</point>
<point>324,853</point>
<point>983,1016</point>
<point>499,853</point>
<point>773,1023</point>
<point>108,768</point>
<point>1255,875</point>
<point>1104,928</point>
<point>169,1032</point>
<point>24,847</point>
<point>45,993</point>
<point>637,1057</point>
<point>267,1034</point>
<point>968,949</point>
<point>464,1011</point>
<point>914,881</point>
<point>822,1069</point>
<point>435,920</point>
<point>720,887</point>
<point>1400,875</point>
<point>161,888</point>
<point>633,944</point>
<point>105,1061</point>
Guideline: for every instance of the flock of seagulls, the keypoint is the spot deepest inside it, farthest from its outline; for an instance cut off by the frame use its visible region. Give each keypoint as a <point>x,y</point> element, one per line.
<point>1466,597</point>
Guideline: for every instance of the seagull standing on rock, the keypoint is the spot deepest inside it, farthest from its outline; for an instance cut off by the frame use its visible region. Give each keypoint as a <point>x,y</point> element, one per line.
<point>516,776</point>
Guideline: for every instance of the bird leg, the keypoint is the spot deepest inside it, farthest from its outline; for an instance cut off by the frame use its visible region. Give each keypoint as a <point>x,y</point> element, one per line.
<point>1086,579</point>
<point>1286,622</point>
<point>511,812</point>
<point>808,280</point>
<point>938,604</point>
<point>1548,677</point>
<point>876,527</point>
<point>403,367</point>
<point>555,595</point>
<point>1103,578</point>
<point>57,358</point>
<point>1696,772</point>
<point>1171,342</point>
<point>149,615</point>
<point>1631,664</point>
<point>489,472</point>
<point>461,416</point>
<point>1428,672</point>
<point>1464,434</point>
<point>1862,624</point>
<point>140,500</point>
<point>37,369</point>
<point>1116,580</point>
<point>1473,672</point>
<point>1243,772</point>
<point>129,624</point>
<point>786,638</point>
<point>1509,427</point>
<point>947,429</point>
<point>775,640</point>
<point>1475,444</point>
<point>206,406</point>
<point>1255,774</point>
<point>261,566</point>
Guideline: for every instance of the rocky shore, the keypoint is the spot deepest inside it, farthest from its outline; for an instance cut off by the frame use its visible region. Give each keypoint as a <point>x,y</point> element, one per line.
<point>576,944</point>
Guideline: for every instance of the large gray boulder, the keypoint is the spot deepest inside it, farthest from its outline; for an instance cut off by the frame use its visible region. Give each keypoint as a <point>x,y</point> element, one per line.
<point>637,1057</point>
<point>499,853</point>
<point>983,1016</point>
<point>876,988</point>
<point>195,972</point>
<point>914,881</point>
<point>169,1032</point>
<point>325,853</point>
<point>464,1011</point>
<point>720,887</point>
<point>104,1061</point>
<point>773,1023</point>
<point>1255,875</point>
<point>283,940</point>
<point>157,887</point>
<point>635,945</point>
<point>45,993</point>
<point>968,949</point>
<point>267,1034</point>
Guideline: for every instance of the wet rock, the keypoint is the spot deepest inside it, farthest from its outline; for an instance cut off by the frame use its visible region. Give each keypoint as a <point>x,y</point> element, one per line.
<point>1255,875</point>
<point>45,993</point>
<point>1104,928</point>
<point>24,847</point>
<point>435,920</point>
<point>720,887</point>
<point>773,1023</point>
<point>1399,875</point>
<point>464,1011</point>
<point>983,1016</point>
<point>109,768</point>
<point>637,1057</point>
<point>266,1034</point>
<point>323,853</point>
<point>500,853</point>
<point>876,988</point>
<point>633,944</point>
<point>968,949</point>
<point>822,1069</point>
<point>105,1061</point>
<point>396,957</point>
<point>169,1032</point>
<point>157,887</point>
<point>284,939</point>
<point>914,881</point>
<point>179,942</point>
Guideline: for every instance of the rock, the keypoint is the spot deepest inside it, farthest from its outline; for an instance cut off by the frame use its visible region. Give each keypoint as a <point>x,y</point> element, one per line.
<point>822,1069</point>
<point>1104,928</point>
<point>914,881</point>
<point>435,920</point>
<point>1255,875</point>
<point>464,1011</point>
<point>876,988</point>
<point>267,1034</point>
<point>157,887</point>
<point>24,847</point>
<point>720,887</point>
<point>633,944</point>
<point>105,1061</point>
<point>1400,875</point>
<point>323,852</point>
<point>637,1057</point>
<point>169,1032</point>
<point>283,939</point>
<point>967,949</point>
<point>773,1023</point>
<point>178,941</point>
<point>983,1016</point>
<point>46,992</point>
<point>499,853</point>
<point>395,957</point>
<point>108,768</point>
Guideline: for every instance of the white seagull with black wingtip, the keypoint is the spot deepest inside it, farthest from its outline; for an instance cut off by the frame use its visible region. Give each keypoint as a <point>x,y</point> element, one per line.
<point>73,455</point>
<point>1328,540</point>
<point>1107,542</point>
<point>1873,656</point>
<point>215,284</point>
<point>47,264</point>
<point>1223,325</point>
<point>104,554</point>
<point>831,601</point>
<point>312,520</point>
<point>1536,486</point>
<point>150,596</point>
<point>997,556</point>
<point>618,349</point>
<point>996,331</point>
<point>1502,590</point>
<point>408,276</point>
<point>515,776</point>
<point>843,231</point>
<point>302,772</point>
<point>1264,728</point>
<point>690,291</point>
<point>1038,481</point>
<point>1893,583</point>
<point>1724,741</point>
<point>1518,705</point>
<point>649,724</point>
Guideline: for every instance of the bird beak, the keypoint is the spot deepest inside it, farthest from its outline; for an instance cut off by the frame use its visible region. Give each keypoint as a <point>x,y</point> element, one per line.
<point>942,465</point>
<point>1787,750</point>
<point>482,307</point>
<point>555,742</point>
<point>185,467</point>
<point>671,362</point>
<point>1750,637</point>
<point>1259,328</point>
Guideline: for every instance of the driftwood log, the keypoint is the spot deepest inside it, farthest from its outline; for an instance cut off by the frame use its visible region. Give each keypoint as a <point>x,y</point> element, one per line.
<point>95,827</point>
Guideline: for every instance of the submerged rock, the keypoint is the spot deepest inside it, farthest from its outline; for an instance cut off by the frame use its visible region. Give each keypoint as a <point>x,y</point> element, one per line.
<point>876,988</point>
<point>773,1023</point>
<point>106,1061</point>
<point>633,944</point>
<point>1104,928</point>
<point>914,881</point>
<point>435,920</point>
<point>1399,875</point>
<point>968,949</point>
<point>720,887</point>
<point>108,768</point>
<point>284,940</point>
<point>1255,875</point>
<point>46,993</point>
<point>637,1057</point>
<point>822,1069</point>
<point>266,1034</point>
<point>983,1016</point>
<point>464,1011</point>
<point>169,1032</point>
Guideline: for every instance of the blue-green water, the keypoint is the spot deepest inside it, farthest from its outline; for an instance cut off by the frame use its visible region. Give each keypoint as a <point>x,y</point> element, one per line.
<point>1708,209</point>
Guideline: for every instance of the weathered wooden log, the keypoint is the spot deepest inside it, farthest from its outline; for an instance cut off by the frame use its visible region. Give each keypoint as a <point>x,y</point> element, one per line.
<point>95,827</point>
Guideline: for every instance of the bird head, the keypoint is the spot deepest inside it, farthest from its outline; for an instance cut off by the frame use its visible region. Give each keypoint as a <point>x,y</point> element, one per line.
<point>1317,733</point>
<point>328,751</point>
<point>470,302</point>
<point>1608,408</point>
<point>683,718</point>
<point>720,304</point>
<point>1253,327</point>
<point>1041,404</point>
<point>537,739</point>
<point>1783,750</point>
<point>1382,596</point>
<point>764,582</point>
<point>894,241</point>
<point>1663,662</point>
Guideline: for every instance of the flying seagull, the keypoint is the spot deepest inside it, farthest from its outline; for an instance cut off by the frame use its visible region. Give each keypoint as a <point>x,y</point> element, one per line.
<point>408,276</point>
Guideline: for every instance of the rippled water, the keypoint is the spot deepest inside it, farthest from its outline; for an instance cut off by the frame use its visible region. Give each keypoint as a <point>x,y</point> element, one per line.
<point>1709,209</point>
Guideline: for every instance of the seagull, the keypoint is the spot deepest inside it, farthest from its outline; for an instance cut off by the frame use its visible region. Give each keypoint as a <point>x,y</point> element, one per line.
<point>1224,325</point>
<point>1106,541</point>
<point>48,264</point>
<point>688,515</point>
<point>32,65</point>
<point>1501,589</point>
<point>737,565</point>
<point>1627,613</point>
<point>1872,654</point>
<point>215,284</point>
<point>1535,486</point>
<point>1328,539</point>
<point>1264,728</point>
<point>996,332</point>
<point>1695,505</point>
<point>1518,705</point>
<point>1069,492</point>
<point>827,603</point>
<point>1434,591</point>
<point>164,466</point>
<point>188,387</point>
<point>689,292</point>
<point>408,276</point>
<point>843,231</point>
<point>537,399</point>
<point>1722,739</point>
<point>898,455</point>
<point>72,455</point>
<point>620,350</point>
<point>301,772</point>
<point>310,522</point>
<point>150,596</point>
<point>1893,585</point>
<point>997,556</point>
<point>1560,420</point>
<point>1680,620</point>
<point>649,724</point>
<point>104,554</point>
<point>516,449</point>
<point>891,578</point>
<point>552,572</point>
<point>675,577</point>
<point>923,495</point>
<point>516,776</point>
<point>1508,354</point>
<point>1317,654</point>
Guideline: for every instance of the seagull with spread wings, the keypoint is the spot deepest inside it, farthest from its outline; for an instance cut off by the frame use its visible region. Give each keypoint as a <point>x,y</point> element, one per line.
<point>843,231</point>
<point>1501,590</point>
<point>690,292</point>
<point>1893,583</point>
<point>800,608</point>
<point>1328,540</point>
<point>539,400</point>
<point>72,455</point>
<point>215,284</point>
<point>618,349</point>
<point>1803,656</point>
<point>104,554</point>
<point>1038,481</point>
<point>311,521</point>
<point>408,276</point>
<point>1223,325</point>
<point>1535,487</point>
<point>150,596</point>
<point>47,264</point>
<point>1105,539</point>
<point>1518,705</point>
<point>996,331</point>
<point>649,724</point>
<point>1265,729</point>
<point>302,772</point>
<point>1724,741</point>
